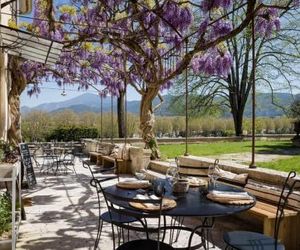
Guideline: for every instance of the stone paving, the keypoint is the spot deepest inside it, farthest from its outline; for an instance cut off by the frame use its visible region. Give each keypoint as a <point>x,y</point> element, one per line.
<point>63,215</point>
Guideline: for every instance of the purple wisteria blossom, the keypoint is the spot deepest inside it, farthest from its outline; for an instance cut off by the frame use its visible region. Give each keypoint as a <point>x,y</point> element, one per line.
<point>212,62</point>
<point>207,5</point>
<point>267,21</point>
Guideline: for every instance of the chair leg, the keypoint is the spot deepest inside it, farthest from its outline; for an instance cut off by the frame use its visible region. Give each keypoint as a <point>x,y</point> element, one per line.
<point>74,168</point>
<point>113,234</point>
<point>180,223</point>
<point>100,225</point>
<point>119,236</point>
<point>128,234</point>
<point>123,236</point>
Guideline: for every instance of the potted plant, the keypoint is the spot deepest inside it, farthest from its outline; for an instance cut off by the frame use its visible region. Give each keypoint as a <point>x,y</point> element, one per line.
<point>8,153</point>
<point>294,112</point>
<point>8,156</point>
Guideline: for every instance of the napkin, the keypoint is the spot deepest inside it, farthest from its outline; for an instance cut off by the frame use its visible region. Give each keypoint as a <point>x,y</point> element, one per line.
<point>167,203</point>
<point>194,181</point>
<point>147,197</point>
<point>135,181</point>
<point>230,197</point>
<point>133,184</point>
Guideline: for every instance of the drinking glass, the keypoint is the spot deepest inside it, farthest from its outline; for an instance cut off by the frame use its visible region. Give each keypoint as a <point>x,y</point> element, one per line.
<point>213,174</point>
<point>140,175</point>
<point>159,188</point>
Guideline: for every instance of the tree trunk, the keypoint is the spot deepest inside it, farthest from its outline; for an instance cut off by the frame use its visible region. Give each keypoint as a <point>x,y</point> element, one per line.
<point>121,114</point>
<point>18,84</point>
<point>147,121</point>
<point>238,122</point>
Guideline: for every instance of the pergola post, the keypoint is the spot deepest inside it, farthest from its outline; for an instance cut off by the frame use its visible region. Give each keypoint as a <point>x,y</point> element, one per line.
<point>252,164</point>
<point>112,118</point>
<point>101,117</point>
<point>186,104</point>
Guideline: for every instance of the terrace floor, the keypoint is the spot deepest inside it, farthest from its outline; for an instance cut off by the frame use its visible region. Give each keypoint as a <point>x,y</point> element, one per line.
<point>63,215</point>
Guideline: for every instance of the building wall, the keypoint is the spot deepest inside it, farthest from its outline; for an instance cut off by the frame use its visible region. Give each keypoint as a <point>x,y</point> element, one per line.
<point>4,86</point>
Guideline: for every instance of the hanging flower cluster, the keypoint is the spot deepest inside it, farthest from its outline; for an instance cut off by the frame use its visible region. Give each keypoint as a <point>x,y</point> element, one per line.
<point>212,62</point>
<point>267,22</point>
<point>104,34</point>
<point>208,5</point>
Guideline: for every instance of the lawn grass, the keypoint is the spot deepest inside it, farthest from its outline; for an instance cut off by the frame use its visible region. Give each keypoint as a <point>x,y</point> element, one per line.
<point>217,148</point>
<point>286,165</point>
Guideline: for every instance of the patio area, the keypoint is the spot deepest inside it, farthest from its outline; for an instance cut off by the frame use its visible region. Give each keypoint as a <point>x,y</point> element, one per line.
<point>63,215</point>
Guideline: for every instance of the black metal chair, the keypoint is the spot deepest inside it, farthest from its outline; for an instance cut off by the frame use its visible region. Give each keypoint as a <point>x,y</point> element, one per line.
<point>112,218</point>
<point>99,171</point>
<point>117,205</point>
<point>69,160</point>
<point>244,240</point>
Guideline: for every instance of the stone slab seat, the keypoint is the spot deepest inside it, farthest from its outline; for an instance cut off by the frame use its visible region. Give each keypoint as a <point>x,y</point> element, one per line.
<point>264,184</point>
<point>94,157</point>
<point>102,149</point>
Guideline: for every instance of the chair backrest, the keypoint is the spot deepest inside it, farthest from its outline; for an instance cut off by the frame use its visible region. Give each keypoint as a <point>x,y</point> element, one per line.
<point>123,206</point>
<point>86,164</point>
<point>95,183</point>
<point>286,191</point>
<point>188,167</point>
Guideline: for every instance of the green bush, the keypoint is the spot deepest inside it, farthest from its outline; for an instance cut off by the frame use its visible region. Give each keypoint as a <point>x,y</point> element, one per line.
<point>5,213</point>
<point>72,133</point>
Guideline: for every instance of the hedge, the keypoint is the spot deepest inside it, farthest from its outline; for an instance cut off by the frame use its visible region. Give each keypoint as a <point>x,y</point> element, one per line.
<point>72,133</point>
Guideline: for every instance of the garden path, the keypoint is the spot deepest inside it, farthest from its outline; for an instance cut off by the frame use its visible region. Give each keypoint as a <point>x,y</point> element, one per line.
<point>245,158</point>
<point>63,215</point>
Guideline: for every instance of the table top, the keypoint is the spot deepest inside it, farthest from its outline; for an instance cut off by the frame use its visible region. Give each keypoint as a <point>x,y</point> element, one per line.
<point>192,203</point>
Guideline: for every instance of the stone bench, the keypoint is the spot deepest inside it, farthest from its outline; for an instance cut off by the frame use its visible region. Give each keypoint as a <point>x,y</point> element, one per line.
<point>266,213</point>
<point>108,155</point>
<point>264,184</point>
<point>123,166</point>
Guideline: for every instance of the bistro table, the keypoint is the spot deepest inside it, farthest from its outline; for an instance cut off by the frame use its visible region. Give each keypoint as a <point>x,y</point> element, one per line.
<point>191,204</point>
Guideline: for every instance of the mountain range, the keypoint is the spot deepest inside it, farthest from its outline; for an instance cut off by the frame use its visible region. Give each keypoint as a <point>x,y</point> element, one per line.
<point>91,103</point>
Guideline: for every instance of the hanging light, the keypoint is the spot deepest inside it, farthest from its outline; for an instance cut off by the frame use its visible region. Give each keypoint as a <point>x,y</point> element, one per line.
<point>63,93</point>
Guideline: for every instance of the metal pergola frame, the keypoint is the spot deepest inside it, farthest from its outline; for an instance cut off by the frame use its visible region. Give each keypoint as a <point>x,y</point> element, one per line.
<point>29,46</point>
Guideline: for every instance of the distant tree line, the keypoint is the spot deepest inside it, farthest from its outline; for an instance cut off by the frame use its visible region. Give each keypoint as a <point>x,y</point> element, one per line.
<point>68,125</point>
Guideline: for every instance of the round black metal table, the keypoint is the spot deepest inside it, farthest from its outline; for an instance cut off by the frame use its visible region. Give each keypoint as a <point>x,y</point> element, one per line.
<point>192,203</point>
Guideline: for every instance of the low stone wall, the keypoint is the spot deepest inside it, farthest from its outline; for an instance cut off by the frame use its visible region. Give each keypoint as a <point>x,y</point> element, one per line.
<point>199,139</point>
<point>263,175</point>
<point>138,156</point>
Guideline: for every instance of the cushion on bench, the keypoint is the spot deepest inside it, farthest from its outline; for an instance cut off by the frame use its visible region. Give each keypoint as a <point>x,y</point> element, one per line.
<point>104,148</point>
<point>120,151</point>
<point>232,178</point>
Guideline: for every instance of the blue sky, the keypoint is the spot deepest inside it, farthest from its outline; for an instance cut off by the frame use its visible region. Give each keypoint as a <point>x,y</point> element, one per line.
<point>50,92</point>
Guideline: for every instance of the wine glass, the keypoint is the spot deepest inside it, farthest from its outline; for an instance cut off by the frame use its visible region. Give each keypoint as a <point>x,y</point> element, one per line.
<point>213,174</point>
<point>140,175</point>
<point>172,174</point>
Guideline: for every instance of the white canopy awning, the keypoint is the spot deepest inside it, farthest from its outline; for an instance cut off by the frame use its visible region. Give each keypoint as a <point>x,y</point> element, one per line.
<point>29,46</point>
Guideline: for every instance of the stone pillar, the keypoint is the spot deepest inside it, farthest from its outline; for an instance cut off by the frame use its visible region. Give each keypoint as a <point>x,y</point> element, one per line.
<point>4,118</point>
<point>140,158</point>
